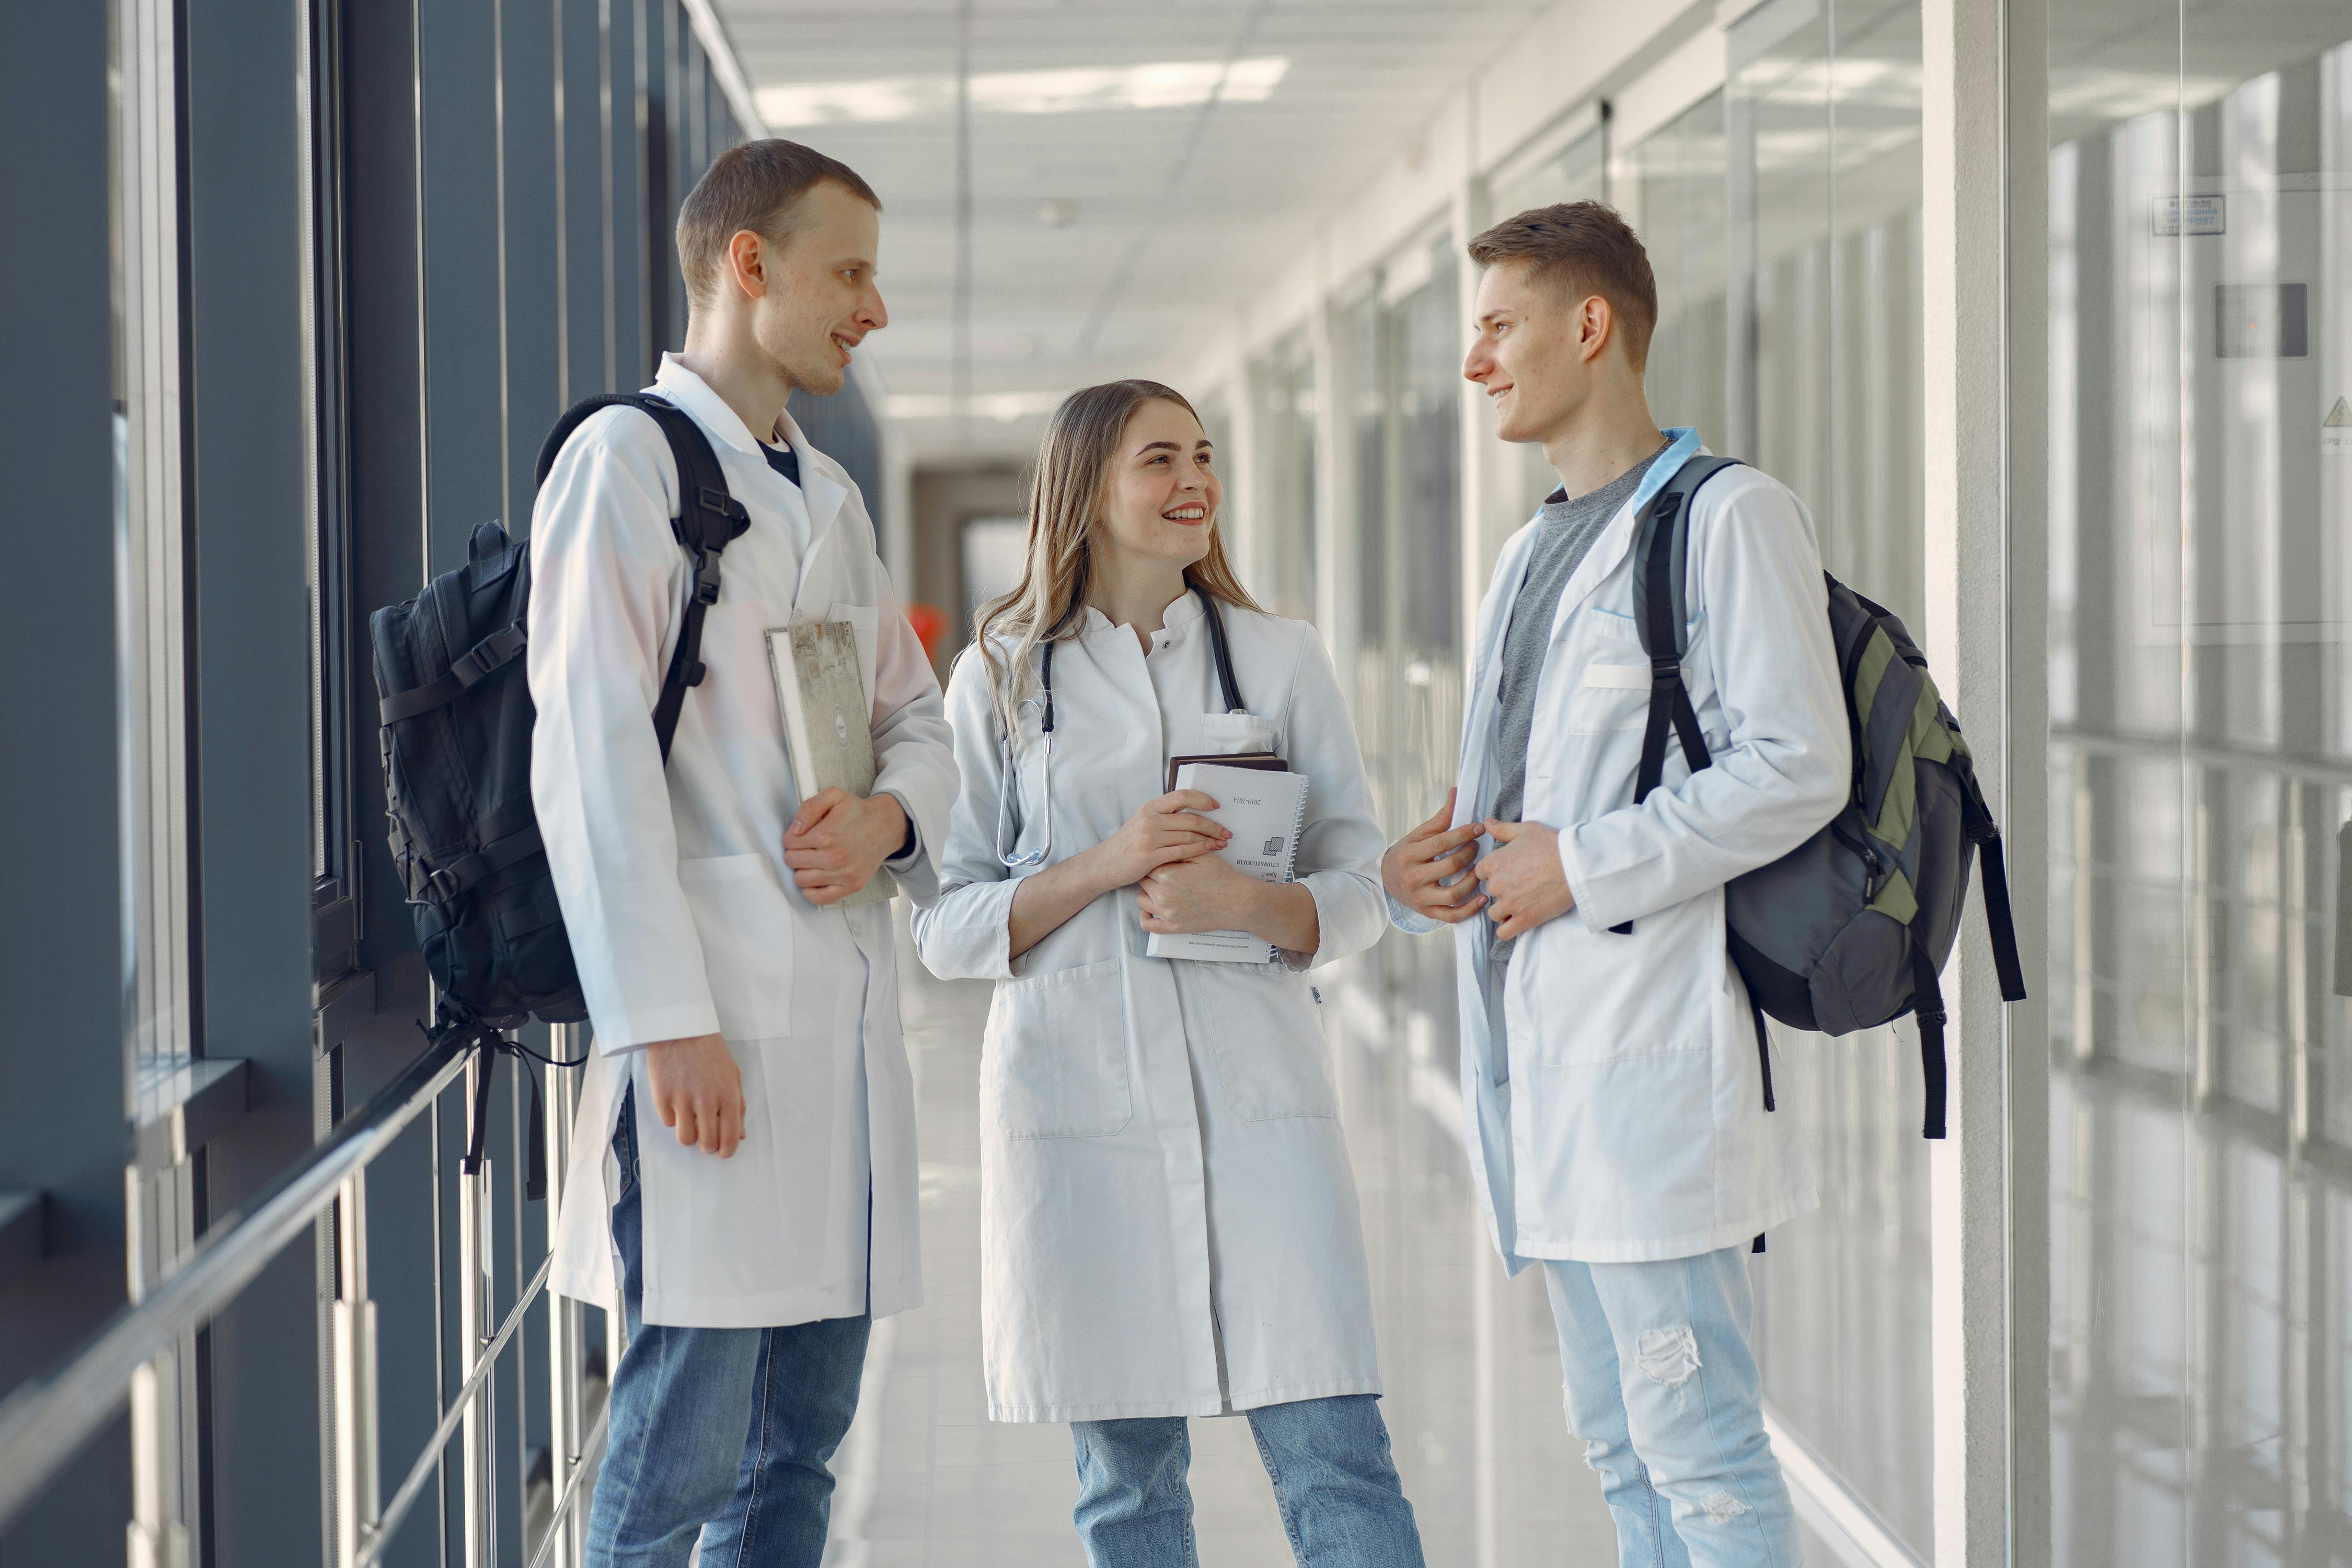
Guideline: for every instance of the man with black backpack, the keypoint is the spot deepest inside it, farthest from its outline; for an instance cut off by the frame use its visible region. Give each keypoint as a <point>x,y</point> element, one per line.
<point>748,1079</point>
<point>1616,1085</point>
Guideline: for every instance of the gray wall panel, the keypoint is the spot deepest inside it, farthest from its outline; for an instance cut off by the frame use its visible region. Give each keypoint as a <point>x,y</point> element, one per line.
<point>632,365</point>
<point>587,202</point>
<point>61,1054</point>
<point>458,49</point>
<point>534,242</point>
<point>251,715</point>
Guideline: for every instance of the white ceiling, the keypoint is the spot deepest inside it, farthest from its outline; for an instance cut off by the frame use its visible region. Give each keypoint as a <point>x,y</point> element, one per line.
<point>1168,216</point>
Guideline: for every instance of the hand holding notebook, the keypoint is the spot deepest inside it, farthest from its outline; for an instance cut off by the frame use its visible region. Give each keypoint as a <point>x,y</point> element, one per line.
<point>821,698</point>
<point>1265,809</point>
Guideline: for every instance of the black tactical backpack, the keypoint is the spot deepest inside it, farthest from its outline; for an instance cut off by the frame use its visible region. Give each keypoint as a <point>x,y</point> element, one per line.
<point>456,744</point>
<point>1851,929</point>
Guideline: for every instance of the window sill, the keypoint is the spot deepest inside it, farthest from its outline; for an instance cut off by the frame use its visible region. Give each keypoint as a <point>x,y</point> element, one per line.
<point>176,1110</point>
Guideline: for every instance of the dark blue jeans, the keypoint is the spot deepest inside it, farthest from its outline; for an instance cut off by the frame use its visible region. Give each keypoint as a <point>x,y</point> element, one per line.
<point>722,1435</point>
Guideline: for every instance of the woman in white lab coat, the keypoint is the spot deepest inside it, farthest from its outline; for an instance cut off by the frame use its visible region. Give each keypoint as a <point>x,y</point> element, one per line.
<point>1169,1225</point>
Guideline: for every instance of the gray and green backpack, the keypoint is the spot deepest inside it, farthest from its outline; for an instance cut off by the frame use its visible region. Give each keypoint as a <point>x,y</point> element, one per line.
<point>1851,927</point>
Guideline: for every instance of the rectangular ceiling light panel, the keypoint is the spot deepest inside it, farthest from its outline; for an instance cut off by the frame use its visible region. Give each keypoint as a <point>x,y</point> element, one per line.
<point>1164,84</point>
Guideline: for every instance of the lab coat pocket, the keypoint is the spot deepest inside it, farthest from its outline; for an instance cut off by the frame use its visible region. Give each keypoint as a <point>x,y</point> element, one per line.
<point>1056,1061</point>
<point>1229,734</point>
<point>1632,1138</point>
<point>1606,996</point>
<point>1268,1034</point>
<point>1610,695</point>
<point>745,922</point>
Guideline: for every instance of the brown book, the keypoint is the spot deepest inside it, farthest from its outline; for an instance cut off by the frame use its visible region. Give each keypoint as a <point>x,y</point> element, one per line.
<point>1266,760</point>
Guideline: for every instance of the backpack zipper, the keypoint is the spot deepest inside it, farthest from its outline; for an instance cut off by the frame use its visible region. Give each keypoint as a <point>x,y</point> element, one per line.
<point>1870,861</point>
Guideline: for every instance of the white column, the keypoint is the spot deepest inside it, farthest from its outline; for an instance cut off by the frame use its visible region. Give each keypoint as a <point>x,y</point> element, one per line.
<point>2024,798</point>
<point>1985,157</point>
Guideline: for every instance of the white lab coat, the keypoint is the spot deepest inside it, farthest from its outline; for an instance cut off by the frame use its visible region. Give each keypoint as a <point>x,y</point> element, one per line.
<point>1625,1120</point>
<point>682,916</point>
<point>1169,1220</point>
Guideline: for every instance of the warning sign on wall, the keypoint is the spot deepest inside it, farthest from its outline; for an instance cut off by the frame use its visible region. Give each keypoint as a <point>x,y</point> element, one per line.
<point>2335,430</point>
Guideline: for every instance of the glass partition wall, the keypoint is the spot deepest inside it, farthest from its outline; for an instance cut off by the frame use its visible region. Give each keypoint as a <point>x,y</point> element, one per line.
<point>1408,508</point>
<point>1822,387</point>
<point>1282,484</point>
<point>2200,777</point>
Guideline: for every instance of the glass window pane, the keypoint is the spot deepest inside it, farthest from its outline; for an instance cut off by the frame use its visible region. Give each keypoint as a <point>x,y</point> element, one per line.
<point>2200,330</point>
<point>1674,181</point>
<point>151,585</point>
<point>1804,351</point>
<point>1282,503</point>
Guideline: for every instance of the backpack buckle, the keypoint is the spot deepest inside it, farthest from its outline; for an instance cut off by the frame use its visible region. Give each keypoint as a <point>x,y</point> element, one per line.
<point>1667,668</point>
<point>706,576</point>
<point>458,877</point>
<point>722,503</point>
<point>492,653</point>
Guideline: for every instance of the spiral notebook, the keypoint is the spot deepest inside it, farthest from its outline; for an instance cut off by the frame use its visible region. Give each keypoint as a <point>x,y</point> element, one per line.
<point>1266,810</point>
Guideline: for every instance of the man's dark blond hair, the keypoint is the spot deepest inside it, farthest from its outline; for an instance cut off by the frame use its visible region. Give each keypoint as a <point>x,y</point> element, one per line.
<point>755,186</point>
<point>1582,248</point>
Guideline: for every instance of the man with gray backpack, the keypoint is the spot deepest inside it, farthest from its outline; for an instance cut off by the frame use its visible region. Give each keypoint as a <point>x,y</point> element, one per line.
<point>1700,781</point>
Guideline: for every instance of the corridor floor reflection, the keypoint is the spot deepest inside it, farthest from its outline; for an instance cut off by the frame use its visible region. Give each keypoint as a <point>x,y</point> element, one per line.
<point>925,1478</point>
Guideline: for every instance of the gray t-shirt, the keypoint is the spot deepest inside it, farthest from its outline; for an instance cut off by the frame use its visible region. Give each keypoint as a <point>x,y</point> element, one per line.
<point>1563,539</point>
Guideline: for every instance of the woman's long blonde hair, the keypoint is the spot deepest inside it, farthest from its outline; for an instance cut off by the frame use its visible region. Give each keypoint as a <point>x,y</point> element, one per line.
<point>1065,503</point>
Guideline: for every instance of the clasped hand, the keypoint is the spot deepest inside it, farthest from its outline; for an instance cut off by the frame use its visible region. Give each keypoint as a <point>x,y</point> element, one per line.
<point>1436,873</point>
<point>1168,853</point>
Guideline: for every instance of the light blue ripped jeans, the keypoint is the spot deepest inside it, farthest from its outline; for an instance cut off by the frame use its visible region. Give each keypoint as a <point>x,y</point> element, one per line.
<point>1665,1391</point>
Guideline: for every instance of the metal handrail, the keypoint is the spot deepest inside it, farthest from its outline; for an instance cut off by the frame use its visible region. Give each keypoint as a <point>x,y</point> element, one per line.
<point>382,1529</point>
<point>46,1423</point>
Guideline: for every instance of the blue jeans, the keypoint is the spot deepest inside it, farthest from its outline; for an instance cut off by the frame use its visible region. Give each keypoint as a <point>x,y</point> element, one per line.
<point>1662,1387</point>
<point>1328,1459</point>
<point>721,1435</point>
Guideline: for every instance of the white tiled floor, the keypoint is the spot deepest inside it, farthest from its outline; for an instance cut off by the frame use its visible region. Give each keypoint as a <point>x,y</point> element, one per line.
<point>926,1479</point>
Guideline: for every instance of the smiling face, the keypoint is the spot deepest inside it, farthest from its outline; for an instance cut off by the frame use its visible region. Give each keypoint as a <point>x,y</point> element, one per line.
<point>1540,352</point>
<point>1160,495</point>
<point>819,300</point>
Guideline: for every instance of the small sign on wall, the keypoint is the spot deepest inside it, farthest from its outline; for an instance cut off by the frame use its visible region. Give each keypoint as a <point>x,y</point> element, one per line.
<point>2196,217</point>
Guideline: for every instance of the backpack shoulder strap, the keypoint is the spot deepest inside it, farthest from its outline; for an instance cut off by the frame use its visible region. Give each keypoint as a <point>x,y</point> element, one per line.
<point>708,519</point>
<point>2000,919</point>
<point>573,417</point>
<point>1661,550</point>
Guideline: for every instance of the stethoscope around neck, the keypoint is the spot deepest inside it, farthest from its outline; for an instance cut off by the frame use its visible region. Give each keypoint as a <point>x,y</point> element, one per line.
<point>1227,685</point>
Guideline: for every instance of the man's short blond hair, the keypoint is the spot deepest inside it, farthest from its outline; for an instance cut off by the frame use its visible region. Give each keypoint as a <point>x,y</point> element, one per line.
<point>755,186</point>
<point>1582,248</point>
